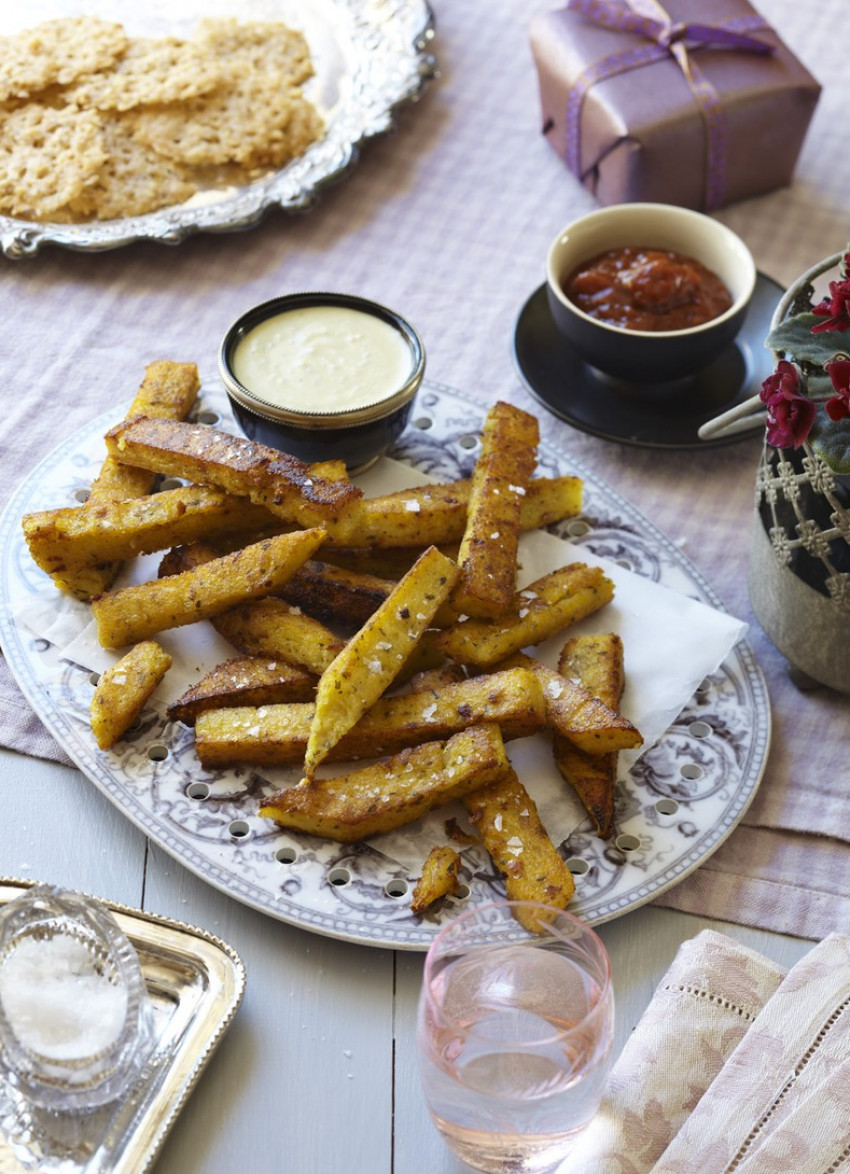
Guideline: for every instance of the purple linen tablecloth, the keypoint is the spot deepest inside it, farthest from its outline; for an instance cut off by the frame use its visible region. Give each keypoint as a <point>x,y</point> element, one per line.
<point>448,220</point>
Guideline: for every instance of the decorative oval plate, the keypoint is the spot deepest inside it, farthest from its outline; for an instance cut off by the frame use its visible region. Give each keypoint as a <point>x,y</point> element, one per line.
<point>678,803</point>
<point>369,59</point>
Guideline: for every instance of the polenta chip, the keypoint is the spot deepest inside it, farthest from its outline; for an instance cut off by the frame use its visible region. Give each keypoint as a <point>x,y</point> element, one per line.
<point>550,603</point>
<point>372,658</point>
<point>387,795</point>
<point>507,820</point>
<point>596,663</point>
<point>168,390</point>
<point>71,537</point>
<point>435,515</point>
<point>244,680</point>
<point>121,692</point>
<point>577,713</point>
<point>271,628</point>
<point>288,487</point>
<point>439,878</point>
<point>272,735</point>
<point>488,549</point>
<point>139,611</point>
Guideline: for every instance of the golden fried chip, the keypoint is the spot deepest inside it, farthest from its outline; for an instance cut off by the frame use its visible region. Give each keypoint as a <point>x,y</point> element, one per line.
<point>168,390</point>
<point>277,734</point>
<point>269,628</point>
<point>272,627</point>
<point>439,878</point>
<point>575,713</point>
<point>387,795</point>
<point>596,663</point>
<point>121,692</point>
<point>288,487</point>
<point>244,680</point>
<point>488,549</point>
<point>371,660</point>
<point>65,540</point>
<point>550,603</point>
<point>509,824</point>
<point>139,611</point>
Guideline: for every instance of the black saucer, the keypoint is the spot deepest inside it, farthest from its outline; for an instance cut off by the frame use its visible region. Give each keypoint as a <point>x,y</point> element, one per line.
<point>556,376</point>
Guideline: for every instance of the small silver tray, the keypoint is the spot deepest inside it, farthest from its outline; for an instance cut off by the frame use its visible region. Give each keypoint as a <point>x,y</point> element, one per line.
<point>195,983</point>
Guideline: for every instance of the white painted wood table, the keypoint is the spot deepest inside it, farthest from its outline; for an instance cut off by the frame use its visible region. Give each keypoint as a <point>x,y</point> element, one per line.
<point>318,1070</point>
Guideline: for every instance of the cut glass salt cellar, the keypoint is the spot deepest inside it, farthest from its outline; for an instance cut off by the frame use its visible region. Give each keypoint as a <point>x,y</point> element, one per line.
<point>74,1011</point>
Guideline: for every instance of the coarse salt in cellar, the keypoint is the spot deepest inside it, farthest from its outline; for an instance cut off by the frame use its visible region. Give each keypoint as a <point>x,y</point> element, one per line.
<point>75,1021</point>
<point>59,1002</point>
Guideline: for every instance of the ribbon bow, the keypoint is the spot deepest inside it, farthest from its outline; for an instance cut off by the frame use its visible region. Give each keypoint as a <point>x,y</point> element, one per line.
<point>663,37</point>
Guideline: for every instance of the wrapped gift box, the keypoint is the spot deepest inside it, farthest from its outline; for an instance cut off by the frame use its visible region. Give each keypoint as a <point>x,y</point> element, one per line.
<point>670,110</point>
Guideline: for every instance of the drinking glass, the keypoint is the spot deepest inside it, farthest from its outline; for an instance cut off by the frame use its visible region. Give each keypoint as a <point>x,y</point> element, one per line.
<point>515,1034</point>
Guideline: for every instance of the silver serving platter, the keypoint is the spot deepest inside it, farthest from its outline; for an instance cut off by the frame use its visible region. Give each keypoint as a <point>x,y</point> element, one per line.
<point>195,984</point>
<point>370,57</point>
<point>679,802</point>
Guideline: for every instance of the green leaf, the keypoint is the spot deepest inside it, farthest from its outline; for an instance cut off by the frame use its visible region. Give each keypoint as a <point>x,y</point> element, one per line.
<point>794,337</point>
<point>820,388</point>
<point>831,441</point>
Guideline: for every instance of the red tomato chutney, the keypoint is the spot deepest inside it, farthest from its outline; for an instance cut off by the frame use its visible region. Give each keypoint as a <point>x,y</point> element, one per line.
<point>647,289</point>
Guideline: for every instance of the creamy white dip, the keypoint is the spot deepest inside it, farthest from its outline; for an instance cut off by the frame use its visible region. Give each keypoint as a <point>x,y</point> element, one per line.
<point>322,358</point>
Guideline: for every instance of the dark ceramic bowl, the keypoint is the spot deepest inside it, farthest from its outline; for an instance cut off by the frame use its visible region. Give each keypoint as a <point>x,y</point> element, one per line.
<point>638,357</point>
<point>357,435</point>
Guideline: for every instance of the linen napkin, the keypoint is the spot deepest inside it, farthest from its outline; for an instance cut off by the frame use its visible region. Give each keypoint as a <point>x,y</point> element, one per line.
<point>20,728</point>
<point>782,1100</point>
<point>700,1012</point>
<point>734,1066</point>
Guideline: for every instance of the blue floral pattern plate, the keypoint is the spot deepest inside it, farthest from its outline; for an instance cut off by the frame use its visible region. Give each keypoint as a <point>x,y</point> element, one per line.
<point>681,799</point>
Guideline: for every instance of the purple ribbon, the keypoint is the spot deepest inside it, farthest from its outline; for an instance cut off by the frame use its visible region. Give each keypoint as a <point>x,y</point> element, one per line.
<point>663,37</point>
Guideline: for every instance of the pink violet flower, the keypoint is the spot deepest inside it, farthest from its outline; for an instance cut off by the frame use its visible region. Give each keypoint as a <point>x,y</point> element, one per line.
<point>786,380</point>
<point>790,414</point>
<point>838,408</point>
<point>836,308</point>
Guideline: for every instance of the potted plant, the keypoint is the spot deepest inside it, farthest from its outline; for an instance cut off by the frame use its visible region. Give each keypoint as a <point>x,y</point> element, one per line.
<point>799,575</point>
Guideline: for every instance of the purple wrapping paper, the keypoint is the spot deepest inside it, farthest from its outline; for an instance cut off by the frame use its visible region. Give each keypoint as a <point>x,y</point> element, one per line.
<point>642,135</point>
